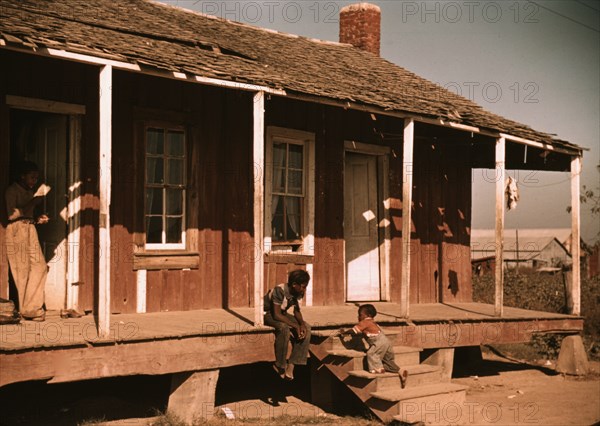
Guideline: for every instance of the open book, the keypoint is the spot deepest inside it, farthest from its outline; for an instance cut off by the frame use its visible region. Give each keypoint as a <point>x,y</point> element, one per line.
<point>42,191</point>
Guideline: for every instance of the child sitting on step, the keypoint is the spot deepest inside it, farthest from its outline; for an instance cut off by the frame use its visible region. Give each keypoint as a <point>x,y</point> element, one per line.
<point>380,355</point>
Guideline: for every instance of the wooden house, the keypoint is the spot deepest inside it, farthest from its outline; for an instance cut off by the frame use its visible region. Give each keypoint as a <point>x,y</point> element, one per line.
<point>195,160</point>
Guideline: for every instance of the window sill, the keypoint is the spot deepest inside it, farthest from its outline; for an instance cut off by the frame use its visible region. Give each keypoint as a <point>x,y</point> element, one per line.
<point>283,257</point>
<point>165,259</point>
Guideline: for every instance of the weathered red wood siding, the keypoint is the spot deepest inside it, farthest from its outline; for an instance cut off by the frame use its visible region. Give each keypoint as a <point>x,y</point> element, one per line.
<point>440,267</point>
<point>219,127</point>
<point>276,272</point>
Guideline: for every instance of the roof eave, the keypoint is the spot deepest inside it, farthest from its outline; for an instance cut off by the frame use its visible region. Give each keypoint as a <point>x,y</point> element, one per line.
<point>128,66</point>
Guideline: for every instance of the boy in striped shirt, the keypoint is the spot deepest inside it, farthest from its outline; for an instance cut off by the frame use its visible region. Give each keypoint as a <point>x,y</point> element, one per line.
<point>380,355</point>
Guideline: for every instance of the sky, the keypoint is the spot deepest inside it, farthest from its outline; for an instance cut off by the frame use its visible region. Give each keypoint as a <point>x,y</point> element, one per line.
<point>536,62</point>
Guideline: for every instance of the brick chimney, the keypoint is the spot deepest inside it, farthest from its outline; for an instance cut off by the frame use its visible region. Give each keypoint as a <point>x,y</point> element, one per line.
<point>360,26</point>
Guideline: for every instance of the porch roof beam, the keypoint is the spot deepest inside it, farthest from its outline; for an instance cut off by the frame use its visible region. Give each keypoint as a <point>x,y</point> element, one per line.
<point>168,74</point>
<point>433,121</point>
<point>95,60</point>
<point>88,59</point>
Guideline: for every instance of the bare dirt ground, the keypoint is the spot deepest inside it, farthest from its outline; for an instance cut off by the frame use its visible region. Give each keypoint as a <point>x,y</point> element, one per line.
<point>507,393</point>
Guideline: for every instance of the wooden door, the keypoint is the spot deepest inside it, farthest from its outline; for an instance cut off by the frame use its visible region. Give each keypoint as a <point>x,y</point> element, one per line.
<point>360,228</point>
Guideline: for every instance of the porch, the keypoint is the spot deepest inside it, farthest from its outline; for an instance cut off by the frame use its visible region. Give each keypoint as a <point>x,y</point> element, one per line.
<point>63,350</point>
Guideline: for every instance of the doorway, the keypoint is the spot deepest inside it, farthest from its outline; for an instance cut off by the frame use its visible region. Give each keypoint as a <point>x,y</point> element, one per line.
<point>361,229</point>
<point>43,138</point>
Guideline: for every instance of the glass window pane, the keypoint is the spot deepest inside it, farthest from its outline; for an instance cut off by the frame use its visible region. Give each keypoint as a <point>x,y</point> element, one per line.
<point>154,201</point>
<point>175,172</point>
<point>279,154</point>
<point>175,143</point>
<point>294,182</point>
<point>174,201</point>
<point>278,179</point>
<point>174,229</point>
<point>277,204</point>
<point>295,160</point>
<point>154,170</point>
<point>153,229</point>
<point>154,141</point>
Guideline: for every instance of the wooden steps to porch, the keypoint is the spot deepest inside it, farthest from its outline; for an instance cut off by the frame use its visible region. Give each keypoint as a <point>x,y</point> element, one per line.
<point>426,388</point>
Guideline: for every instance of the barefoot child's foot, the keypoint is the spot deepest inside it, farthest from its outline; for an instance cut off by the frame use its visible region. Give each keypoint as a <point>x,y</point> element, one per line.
<point>403,374</point>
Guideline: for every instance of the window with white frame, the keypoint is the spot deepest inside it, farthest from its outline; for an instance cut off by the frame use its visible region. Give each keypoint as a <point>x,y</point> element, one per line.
<point>165,177</point>
<point>289,184</point>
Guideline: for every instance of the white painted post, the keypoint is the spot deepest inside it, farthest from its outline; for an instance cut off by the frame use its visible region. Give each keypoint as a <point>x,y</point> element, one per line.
<point>259,201</point>
<point>105,117</point>
<point>500,187</point>
<point>407,179</point>
<point>141,278</point>
<point>575,235</point>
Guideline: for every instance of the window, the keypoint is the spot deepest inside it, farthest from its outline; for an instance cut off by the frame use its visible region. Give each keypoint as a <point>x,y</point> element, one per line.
<point>289,185</point>
<point>287,192</point>
<point>165,177</point>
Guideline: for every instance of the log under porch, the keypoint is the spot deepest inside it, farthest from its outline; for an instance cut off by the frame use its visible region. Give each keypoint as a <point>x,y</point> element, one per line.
<point>64,350</point>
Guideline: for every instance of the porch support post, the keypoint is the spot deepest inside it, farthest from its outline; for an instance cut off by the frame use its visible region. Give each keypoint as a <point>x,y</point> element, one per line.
<point>500,178</point>
<point>105,116</point>
<point>192,397</point>
<point>407,179</point>
<point>575,289</point>
<point>259,202</point>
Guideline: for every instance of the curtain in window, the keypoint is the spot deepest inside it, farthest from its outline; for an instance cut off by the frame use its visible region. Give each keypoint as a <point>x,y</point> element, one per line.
<point>279,151</point>
<point>292,206</point>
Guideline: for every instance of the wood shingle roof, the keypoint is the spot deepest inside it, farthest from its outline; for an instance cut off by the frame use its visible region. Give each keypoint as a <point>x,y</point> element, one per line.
<point>166,38</point>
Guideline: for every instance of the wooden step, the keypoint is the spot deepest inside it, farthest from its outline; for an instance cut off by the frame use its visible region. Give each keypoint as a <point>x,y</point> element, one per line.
<point>427,404</point>
<point>403,355</point>
<point>344,360</point>
<point>397,395</point>
<point>434,406</point>
<point>347,353</point>
<point>407,355</point>
<point>418,375</point>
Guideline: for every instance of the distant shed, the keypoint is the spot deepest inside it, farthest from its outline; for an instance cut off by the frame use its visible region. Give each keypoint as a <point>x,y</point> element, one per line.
<point>533,248</point>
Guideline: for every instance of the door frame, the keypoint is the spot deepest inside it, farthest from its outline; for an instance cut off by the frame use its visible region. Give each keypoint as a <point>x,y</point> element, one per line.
<point>74,113</point>
<point>383,212</point>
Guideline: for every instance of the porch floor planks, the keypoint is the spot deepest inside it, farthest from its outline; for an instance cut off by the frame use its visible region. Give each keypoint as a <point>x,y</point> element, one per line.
<point>56,332</point>
<point>427,312</point>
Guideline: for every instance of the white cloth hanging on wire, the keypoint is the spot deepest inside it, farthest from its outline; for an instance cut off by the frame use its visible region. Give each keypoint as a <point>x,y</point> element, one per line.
<point>512,193</point>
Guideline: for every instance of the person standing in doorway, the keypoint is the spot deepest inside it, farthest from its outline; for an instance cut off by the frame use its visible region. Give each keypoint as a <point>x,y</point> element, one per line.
<point>288,327</point>
<point>25,257</point>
